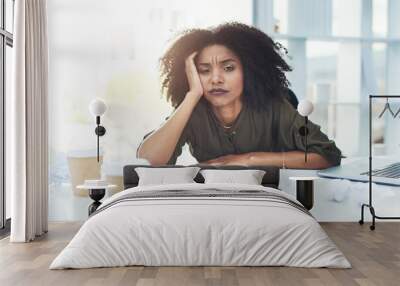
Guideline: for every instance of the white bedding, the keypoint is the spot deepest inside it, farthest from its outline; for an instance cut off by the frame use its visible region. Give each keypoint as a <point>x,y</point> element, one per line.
<point>181,231</point>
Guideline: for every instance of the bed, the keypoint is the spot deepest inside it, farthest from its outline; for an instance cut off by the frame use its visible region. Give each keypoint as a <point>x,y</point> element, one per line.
<point>201,224</point>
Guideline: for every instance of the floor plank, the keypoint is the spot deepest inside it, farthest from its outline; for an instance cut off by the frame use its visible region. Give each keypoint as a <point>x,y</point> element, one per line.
<point>374,255</point>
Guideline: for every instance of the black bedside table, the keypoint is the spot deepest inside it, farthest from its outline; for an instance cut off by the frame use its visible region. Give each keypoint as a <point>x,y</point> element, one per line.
<point>305,190</point>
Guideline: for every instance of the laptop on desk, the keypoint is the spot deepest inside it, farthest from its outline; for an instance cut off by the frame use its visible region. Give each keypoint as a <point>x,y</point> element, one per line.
<point>385,170</point>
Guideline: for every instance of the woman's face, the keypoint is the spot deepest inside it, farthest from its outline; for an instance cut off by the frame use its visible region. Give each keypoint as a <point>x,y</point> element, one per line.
<point>221,75</point>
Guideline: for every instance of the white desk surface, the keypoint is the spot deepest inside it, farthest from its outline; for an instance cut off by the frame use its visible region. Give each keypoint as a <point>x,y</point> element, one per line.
<point>341,200</point>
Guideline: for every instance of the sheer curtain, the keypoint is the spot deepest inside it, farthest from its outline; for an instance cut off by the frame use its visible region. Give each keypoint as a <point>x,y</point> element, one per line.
<point>28,167</point>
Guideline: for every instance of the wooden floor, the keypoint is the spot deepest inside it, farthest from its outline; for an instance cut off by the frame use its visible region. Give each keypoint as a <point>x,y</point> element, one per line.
<point>375,257</point>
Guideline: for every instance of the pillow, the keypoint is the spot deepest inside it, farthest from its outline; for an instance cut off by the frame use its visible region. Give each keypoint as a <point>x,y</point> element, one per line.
<point>248,177</point>
<point>162,176</point>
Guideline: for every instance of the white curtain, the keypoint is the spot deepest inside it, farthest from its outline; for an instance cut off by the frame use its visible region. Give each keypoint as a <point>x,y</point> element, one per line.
<point>28,149</point>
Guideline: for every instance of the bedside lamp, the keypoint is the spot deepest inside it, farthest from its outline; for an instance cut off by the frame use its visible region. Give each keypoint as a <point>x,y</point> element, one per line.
<point>305,185</point>
<point>97,108</point>
<point>305,108</point>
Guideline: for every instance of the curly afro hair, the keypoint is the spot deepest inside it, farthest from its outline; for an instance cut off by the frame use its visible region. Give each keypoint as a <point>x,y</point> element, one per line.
<point>263,66</point>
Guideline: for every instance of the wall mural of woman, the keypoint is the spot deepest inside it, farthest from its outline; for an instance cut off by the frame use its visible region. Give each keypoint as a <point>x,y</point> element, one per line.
<point>232,104</point>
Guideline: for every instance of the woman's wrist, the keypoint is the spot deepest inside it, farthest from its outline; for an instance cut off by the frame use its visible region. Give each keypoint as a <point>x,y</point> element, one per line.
<point>190,100</point>
<point>193,95</point>
<point>266,158</point>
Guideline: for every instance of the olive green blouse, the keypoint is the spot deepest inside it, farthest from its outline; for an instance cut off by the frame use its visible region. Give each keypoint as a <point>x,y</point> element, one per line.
<point>275,129</point>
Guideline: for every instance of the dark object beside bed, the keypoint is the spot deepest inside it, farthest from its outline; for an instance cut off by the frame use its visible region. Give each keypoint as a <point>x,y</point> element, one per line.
<point>270,179</point>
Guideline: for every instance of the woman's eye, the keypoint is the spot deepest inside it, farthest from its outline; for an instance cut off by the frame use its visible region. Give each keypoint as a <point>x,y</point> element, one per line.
<point>229,68</point>
<point>203,71</point>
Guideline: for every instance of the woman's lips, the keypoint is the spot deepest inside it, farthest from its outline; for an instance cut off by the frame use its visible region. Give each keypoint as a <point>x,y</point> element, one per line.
<point>218,92</point>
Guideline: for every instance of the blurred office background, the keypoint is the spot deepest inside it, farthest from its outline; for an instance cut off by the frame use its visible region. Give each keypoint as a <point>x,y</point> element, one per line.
<point>341,51</point>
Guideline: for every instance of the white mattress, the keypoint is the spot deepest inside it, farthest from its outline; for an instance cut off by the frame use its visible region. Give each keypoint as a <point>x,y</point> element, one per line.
<point>185,231</point>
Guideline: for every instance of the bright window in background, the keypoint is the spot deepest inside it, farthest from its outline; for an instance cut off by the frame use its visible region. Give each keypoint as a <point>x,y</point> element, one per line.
<point>281,16</point>
<point>111,50</point>
<point>342,18</point>
<point>9,15</point>
<point>379,65</point>
<point>321,60</point>
<point>379,72</point>
<point>6,59</point>
<point>8,82</point>
<point>379,18</point>
<point>338,70</point>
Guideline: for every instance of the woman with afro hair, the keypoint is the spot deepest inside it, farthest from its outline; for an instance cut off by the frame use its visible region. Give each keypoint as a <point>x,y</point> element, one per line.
<point>231,104</point>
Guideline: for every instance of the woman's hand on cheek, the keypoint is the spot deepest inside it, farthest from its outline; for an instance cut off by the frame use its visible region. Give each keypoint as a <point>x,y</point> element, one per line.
<point>195,86</point>
<point>237,159</point>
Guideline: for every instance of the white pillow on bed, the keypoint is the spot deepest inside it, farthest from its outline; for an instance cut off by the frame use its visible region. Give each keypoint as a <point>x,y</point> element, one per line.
<point>248,177</point>
<point>162,176</point>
